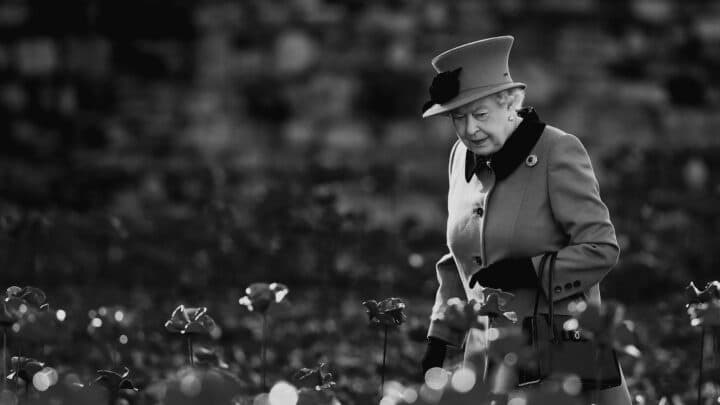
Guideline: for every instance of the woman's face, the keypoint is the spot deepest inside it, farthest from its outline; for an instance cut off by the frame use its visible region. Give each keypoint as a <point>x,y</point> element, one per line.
<point>483,125</point>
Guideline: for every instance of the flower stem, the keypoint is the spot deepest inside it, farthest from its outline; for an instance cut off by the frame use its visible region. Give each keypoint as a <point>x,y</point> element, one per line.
<point>382,370</point>
<point>700,367</point>
<point>262,349</point>
<point>190,351</point>
<point>4,357</point>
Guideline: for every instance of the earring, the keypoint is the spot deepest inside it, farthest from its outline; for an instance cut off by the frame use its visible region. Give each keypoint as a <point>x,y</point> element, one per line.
<point>511,118</point>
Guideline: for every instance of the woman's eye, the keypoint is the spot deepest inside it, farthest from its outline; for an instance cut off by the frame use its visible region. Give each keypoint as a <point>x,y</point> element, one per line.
<point>479,116</point>
<point>458,116</point>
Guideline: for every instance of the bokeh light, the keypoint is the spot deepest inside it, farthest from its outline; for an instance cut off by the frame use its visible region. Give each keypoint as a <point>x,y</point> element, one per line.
<point>123,339</point>
<point>410,395</point>
<point>463,380</point>
<point>572,385</point>
<point>96,322</point>
<point>60,315</point>
<point>517,401</point>
<point>430,395</point>
<point>283,393</point>
<point>415,260</point>
<point>388,401</point>
<point>571,324</point>
<point>436,378</point>
<point>190,385</point>
<point>119,316</point>
<point>261,399</point>
<point>40,381</point>
<point>493,334</point>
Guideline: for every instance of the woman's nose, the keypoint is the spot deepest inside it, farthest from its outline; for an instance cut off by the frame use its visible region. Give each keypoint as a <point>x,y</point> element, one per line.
<point>470,125</point>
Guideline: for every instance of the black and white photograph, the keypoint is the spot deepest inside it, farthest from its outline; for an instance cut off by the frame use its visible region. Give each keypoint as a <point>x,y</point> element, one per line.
<point>360,202</point>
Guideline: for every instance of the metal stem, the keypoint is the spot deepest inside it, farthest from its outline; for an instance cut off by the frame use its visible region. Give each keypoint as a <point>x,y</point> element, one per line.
<point>382,370</point>
<point>700,366</point>
<point>263,352</point>
<point>191,357</point>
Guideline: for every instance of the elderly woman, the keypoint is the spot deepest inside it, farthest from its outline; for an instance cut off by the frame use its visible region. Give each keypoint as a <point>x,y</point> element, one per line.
<point>518,189</point>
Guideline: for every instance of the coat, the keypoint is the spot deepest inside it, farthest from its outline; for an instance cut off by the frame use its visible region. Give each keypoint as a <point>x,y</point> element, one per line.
<point>542,196</point>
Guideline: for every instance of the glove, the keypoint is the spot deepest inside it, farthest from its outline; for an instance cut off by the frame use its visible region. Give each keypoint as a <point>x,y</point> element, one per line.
<point>434,354</point>
<point>507,274</point>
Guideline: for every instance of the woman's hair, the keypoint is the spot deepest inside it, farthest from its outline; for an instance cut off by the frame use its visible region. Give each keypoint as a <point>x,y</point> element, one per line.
<point>514,97</point>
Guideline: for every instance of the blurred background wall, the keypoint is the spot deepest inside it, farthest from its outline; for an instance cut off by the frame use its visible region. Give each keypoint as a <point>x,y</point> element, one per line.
<point>201,144</point>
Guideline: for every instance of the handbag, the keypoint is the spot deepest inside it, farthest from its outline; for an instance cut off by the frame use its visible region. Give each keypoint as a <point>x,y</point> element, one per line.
<point>560,352</point>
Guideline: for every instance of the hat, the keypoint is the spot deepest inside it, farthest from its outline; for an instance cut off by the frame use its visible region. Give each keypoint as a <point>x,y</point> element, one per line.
<point>469,72</point>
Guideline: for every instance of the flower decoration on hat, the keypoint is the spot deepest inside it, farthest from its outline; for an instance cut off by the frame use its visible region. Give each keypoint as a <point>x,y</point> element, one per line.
<point>259,296</point>
<point>388,312</point>
<point>190,321</point>
<point>317,378</point>
<point>445,86</point>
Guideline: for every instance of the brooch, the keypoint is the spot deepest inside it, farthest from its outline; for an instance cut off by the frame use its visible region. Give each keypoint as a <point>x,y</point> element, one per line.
<point>531,160</point>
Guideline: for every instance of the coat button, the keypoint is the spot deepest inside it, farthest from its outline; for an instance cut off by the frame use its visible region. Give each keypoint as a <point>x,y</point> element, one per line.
<point>568,286</point>
<point>479,211</point>
<point>576,283</point>
<point>558,289</point>
<point>478,260</point>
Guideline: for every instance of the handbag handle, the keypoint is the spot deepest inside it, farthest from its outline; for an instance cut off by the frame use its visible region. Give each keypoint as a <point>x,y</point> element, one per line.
<point>552,256</point>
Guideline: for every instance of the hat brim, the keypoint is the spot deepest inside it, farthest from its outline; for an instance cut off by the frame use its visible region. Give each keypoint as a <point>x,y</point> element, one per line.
<point>469,96</point>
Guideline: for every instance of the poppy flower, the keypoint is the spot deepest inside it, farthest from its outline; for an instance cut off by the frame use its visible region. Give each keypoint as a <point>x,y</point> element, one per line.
<point>259,296</point>
<point>190,321</point>
<point>114,381</point>
<point>32,296</point>
<point>388,312</point>
<point>709,293</point>
<point>493,302</point>
<point>317,378</point>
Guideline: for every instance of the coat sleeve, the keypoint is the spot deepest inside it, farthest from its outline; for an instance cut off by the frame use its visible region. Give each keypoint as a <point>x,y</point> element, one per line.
<point>450,286</point>
<point>592,249</point>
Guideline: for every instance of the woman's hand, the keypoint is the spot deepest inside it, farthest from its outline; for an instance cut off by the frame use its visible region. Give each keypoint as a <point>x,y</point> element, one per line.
<point>507,274</point>
<point>434,354</point>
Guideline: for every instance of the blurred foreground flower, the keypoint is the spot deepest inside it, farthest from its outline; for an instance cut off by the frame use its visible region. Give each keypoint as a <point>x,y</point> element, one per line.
<point>188,322</point>
<point>115,381</point>
<point>24,368</point>
<point>193,385</point>
<point>389,312</point>
<point>317,378</point>
<point>607,326</point>
<point>259,296</point>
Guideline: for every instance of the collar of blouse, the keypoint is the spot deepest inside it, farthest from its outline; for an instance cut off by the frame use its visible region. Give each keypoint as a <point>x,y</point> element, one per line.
<point>514,151</point>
